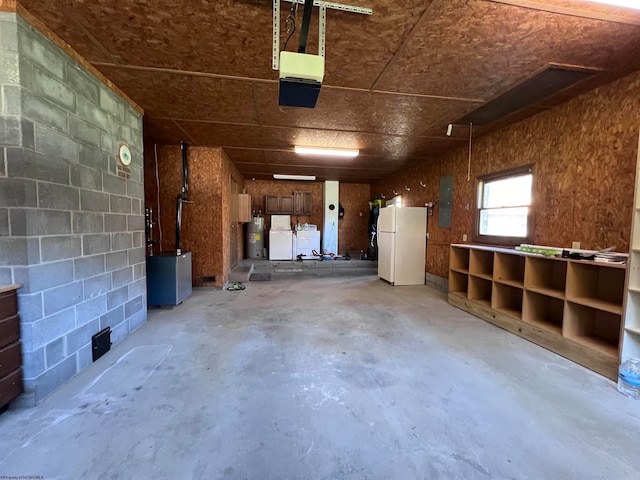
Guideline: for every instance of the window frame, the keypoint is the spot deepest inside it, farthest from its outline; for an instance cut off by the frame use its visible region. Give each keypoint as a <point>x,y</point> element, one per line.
<point>501,175</point>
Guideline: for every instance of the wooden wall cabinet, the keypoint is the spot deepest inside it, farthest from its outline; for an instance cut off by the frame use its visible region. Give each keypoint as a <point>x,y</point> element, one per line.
<point>571,307</point>
<point>278,204</point>
<point>286,204</point>
<point>302,203</point>
<point>244,207</point>
<point>10,350</point>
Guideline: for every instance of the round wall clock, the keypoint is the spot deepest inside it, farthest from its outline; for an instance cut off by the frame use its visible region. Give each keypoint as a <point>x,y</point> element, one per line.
<point>124,154</point>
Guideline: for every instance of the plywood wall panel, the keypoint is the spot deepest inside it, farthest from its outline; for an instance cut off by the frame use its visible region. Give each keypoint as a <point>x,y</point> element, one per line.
<point>584,153</point>
<point>353,229</point>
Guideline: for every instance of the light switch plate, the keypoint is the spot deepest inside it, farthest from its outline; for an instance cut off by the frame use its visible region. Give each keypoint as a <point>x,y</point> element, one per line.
<point>575,245</point>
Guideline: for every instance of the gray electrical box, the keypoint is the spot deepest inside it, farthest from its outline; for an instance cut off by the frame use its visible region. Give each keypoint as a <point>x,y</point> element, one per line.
<point>446,202</point>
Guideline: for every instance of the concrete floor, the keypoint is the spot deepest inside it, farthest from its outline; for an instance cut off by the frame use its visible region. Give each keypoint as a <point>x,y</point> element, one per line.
<point>325,374</point>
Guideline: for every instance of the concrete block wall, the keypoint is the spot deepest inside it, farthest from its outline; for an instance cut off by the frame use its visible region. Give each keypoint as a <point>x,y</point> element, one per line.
<point>71,229</point>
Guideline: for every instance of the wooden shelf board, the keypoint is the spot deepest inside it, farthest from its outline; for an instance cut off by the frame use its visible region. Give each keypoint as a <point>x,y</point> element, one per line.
<point>511,312</point>
<point>634,330</point>
<point>598,304</point>
<point>480,301</point>
<point>482,275</point>
<point>511,283</point>
<point>459,294</point>
<point>597,344</point>
<point>549,292</point>
<point>461,270</point>
<point>551,326</point>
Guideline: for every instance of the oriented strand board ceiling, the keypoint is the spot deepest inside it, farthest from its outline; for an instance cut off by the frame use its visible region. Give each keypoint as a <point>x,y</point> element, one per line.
<point>202,71</point>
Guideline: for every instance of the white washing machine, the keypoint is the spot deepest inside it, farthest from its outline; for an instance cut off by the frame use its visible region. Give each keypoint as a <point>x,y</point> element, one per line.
<point>306,242</point>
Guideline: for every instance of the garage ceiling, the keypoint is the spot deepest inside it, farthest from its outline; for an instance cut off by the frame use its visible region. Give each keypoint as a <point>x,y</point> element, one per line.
<point>202,71</point>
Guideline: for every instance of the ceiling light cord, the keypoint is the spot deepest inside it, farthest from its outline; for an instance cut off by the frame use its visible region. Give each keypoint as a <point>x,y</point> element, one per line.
<point>290,23</point>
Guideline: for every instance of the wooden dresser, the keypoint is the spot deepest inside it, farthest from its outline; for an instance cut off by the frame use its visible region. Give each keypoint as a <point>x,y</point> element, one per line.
<point>10,352</point>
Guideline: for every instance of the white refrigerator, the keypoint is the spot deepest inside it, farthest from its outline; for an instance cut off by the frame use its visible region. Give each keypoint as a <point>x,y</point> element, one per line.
<point>281,246</point>
<point>402,240</point>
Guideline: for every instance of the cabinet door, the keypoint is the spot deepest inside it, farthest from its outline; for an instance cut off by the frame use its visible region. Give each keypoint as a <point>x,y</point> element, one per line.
<point>306,210</point>
<point>244,208</point>
<point>286,204</point>
<point>298,203</point>
<point>271,204</point>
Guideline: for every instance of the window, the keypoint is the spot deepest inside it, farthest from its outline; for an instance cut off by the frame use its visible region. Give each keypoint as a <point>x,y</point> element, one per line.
<point>504,207</point>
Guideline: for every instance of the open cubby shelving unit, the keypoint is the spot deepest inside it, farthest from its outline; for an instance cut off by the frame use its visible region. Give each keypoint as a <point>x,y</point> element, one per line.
<point>630,332</point>
<point>571,307</point>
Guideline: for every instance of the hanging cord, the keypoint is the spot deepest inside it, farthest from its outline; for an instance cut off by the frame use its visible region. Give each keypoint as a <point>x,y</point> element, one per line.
<point>155,156</point>
<point>290,23</point>
<point>469,166</point>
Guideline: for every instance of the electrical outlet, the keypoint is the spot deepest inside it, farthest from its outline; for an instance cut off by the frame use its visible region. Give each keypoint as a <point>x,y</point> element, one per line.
<point>464,237</point>
<point>575,245</point>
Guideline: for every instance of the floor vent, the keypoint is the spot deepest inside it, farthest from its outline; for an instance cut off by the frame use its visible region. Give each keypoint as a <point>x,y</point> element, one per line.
<point>542,86</point>
<point>101,343</point>
<point>208,279</point>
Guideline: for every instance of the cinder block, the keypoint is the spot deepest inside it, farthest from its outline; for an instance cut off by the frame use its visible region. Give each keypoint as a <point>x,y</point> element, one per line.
<point>112,318</point>
<point>96,243</point>
<point>33,362</point>
<point>53,89</point>
<point>16,192</point>
<point>87,222</point>
<point>6,276</point>
<point>86,267</point>
<point>109,144</point>
<point>119,332</point>
<point>10,132</point>
<point>96,286</point>
<point>120,204</point>
<point>12,99</point>
<point>61,298</point>
<point>110,103</point>
<point>28,134</point>
<point>90,157</point>
<point>91,309</point>
<point>94,201</point>
<point>115,222</point>
<point>43,112</point>
<point>89,112</point>
<point>139,271</point>
<point>30,307</point>
<point>122,277</point>
<point>48,222</point>
<point>137,255</point>
<point>9,68</point>
<point>51,379</point>
<point>49,275</point>
<point>139,287</point>
<point>86,177</point>
<point>138,239</point>
<point>113,184</point>
<point>54,352</point>
<point>85,357</point>
<point>25,163</point>
<point>132,118</point>
<point>8,35</point>
<point>4,222</point>
<point>49,328</point>
<point>13,251</point>
<point>41,51</point>
<point>136,207</point>
<point>81,336</point>
<point>33,250</point>
<point>135,189</point>
<point>83,131</point>
<point>137,320</point>
<point>121,241</point>
<point>61,247</point>
<point>134,306</point>
<point>60,197</point>
<point>115,261</point>
<point>82,82</point>
<point>135,222</point>
<point>54,143</point>
<point>117,297</point>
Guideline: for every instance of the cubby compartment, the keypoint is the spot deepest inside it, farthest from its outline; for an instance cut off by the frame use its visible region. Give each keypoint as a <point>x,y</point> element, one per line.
<point>634,271</point>
<point>633,311</point>
<point>594,328</point>
<point>458,283</point>
<point>547,276</point>
<point>543,311</point>
<point>459,259</point>
<point>509,269</point>
<point>481,263</point>
<point>507,299</point>
<point>480,290</point>
<point>596,286</point>
<point>635,238</point>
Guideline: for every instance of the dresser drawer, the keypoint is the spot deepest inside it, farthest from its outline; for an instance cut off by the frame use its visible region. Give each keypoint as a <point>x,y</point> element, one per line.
<point>10,358</point>
<point>9,330</point>
<point>8,304</point>
<point>10,387</point>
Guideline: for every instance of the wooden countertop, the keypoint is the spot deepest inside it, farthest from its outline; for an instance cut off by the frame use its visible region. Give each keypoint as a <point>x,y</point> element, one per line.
<point>8,288</point>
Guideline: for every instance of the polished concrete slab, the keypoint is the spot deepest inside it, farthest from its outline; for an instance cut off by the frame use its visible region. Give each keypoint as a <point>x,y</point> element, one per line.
<point>325,374</point>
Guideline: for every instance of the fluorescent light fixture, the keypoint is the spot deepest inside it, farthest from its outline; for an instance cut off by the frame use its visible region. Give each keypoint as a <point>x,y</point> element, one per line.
<point>620,3</point>
<point>279,176</point>
<point>332,152</point>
